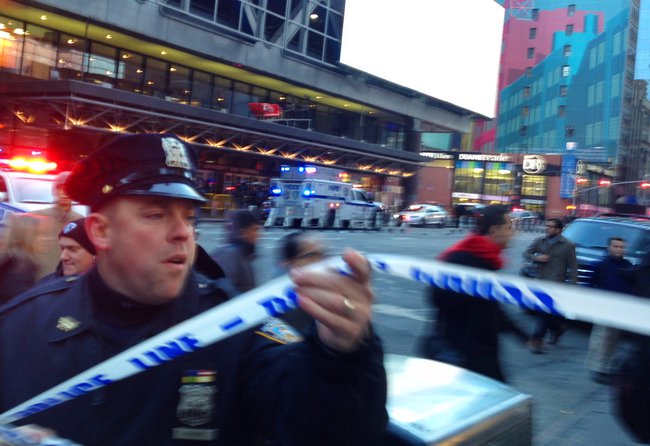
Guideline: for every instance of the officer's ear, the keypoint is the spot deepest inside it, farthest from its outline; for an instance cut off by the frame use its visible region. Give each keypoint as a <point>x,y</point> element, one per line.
<point>96,228</point>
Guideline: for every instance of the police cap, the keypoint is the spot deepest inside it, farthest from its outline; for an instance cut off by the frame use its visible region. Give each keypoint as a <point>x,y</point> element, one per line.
<point>140,164</point>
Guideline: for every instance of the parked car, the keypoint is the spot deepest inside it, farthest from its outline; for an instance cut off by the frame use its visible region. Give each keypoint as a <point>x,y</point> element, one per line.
<point>524,220</point>
<point>591,236</point>
<point>521,215</point>
<point>422,215</point>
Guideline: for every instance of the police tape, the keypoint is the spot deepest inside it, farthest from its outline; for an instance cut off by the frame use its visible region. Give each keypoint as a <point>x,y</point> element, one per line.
<point>278,297</point>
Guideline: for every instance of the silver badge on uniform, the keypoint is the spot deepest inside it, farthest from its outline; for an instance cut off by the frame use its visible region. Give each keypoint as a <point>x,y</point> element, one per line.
<point>175,153</point>
<point>196,406</point>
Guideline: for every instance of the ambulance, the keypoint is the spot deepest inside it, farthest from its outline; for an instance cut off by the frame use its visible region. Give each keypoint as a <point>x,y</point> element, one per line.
<point>315,197</point>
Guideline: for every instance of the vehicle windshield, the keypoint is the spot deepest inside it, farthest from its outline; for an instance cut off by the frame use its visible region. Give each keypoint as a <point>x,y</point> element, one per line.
<point>595,235</point>
<point>28,190</point>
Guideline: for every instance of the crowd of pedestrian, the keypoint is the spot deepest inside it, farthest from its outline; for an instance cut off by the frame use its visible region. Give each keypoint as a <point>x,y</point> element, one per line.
<point>133,268</point>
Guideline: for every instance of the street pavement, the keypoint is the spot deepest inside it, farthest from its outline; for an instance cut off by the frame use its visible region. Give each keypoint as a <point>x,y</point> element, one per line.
<point>568,408</point>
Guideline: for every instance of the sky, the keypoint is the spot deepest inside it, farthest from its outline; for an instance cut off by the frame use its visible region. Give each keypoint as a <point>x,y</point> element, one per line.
<point>447,49</point>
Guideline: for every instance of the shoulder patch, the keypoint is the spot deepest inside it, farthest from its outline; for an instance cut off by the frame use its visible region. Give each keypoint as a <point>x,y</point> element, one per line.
<point>279,331</point>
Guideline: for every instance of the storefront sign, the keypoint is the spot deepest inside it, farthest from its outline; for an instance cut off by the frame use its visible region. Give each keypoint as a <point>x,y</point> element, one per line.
<point>438,155</point>
<point>534,164</point>
<point>568,176</point>
<point>494,158</point>
<point>466,195</point>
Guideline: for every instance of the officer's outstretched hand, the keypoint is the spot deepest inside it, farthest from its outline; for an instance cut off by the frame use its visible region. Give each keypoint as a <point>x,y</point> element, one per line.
<point>340,304</point>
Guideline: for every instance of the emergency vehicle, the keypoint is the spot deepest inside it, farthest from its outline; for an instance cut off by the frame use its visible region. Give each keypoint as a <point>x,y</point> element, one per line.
<point>25,188</point>
<point>314,197</point>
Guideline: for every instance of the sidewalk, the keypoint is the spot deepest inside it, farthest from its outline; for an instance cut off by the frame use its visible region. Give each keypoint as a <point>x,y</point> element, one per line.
<point>568,408</point>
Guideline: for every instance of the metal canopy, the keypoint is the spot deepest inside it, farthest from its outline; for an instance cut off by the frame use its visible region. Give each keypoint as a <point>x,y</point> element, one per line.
<point>69,105</point>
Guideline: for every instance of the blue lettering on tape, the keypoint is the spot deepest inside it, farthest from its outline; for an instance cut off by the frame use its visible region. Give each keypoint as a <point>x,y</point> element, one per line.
<point>382,266</point>
<point>81,388</point>
<point>477,286</point>
<point>166,352</point>
<point>279,305</point>
<point>232,323</point>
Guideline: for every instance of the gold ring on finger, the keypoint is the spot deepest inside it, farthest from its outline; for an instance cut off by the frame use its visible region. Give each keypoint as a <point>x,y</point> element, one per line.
<point>348,304</point>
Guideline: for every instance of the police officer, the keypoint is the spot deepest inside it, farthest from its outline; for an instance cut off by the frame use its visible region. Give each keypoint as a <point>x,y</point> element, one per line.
<point>256,387</point>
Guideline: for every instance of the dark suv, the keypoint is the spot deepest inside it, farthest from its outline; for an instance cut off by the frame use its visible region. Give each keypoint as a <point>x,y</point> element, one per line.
<point>590,236</point>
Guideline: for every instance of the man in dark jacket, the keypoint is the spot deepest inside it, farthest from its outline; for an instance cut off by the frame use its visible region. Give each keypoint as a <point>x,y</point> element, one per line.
<point>237,255</point>
<point>261,386</point>
<point>465,332</point>
<point>613,273</point>
<point>555,257</point>
<point>632,383</point>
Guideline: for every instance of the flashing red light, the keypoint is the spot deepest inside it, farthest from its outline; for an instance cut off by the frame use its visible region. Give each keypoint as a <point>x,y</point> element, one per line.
<point>32,165</point>
<point>582,180</point>
<point>230,188</point>
<point>645,185</point>
<point>604,182</point>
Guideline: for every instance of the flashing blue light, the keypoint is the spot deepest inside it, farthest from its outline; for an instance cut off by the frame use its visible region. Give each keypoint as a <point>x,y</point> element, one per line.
<point>276,191</point>
<point>285,168</point>
<point>301,169</point>
<point>306,193</point>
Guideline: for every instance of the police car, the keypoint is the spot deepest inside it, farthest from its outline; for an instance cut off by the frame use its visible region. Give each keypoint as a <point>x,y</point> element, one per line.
<point>24,189</point>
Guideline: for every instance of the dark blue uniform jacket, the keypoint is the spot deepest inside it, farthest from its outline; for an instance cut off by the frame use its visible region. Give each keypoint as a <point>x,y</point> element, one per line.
<point>249,386</point>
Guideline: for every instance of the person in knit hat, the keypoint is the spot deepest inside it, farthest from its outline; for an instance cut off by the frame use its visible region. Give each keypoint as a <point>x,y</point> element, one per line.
<point>77,251</point>
<point>56,217</point>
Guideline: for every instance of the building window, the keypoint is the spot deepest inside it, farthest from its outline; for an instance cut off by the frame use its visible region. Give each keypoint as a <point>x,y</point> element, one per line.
<point>524,111</point>
<point>468,177</point>
<point>566,70</point>
<point>568,30</point>
<point>532,33</point>
<point>130,71</point>
<point>534,14</point>
<point>100,64</point>
<point>563,91</point>
<point>39,54</point>
<point>69,64</point>
<point>571,10</point>
<point>533,186</point>
<point>201,94</point>
<point>530,53</point>
<point>529,71</point>
<point>180,84</point>
<point>526,92</point>
<point>567,50</point>
<point>561,111</point>
<point>523,130</point>
<point>568,131</point>
<point>155,81</point>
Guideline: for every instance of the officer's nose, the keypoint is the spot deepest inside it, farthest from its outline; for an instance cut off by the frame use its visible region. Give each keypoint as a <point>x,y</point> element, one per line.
<point>182,227</point>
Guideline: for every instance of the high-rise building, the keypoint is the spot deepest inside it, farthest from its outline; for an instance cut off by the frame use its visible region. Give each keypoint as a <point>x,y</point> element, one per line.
<point>573,82</point>
<point>251,85</point>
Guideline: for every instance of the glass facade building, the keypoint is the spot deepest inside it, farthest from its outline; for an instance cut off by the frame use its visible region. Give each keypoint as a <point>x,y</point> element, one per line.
<point>574,82</point>
<point>252,85</point>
